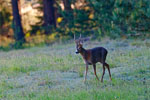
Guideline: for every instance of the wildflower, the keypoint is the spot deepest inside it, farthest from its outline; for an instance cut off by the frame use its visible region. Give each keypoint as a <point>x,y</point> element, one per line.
<point>59,19</point>
<point>87,8</point>
<point>91,16</point>
<point>27,35</point>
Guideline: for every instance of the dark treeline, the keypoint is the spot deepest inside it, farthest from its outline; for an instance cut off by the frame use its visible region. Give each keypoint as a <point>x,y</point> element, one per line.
<point>63,18</point>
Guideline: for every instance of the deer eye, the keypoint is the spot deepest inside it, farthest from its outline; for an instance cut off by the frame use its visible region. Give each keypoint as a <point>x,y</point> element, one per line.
<point>79,47</point>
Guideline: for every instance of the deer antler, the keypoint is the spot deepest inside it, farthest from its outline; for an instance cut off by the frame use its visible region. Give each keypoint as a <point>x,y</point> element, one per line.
<point>80,37</point>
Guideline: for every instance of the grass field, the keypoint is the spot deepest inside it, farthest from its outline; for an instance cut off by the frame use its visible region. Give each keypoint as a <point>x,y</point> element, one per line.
<point>55,72</point>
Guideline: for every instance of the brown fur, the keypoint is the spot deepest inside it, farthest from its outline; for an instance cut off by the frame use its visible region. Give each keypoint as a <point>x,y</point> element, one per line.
<point>92,56</point>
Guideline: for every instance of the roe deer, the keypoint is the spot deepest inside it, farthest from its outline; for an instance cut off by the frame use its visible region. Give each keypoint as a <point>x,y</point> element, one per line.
<point>92,56</point>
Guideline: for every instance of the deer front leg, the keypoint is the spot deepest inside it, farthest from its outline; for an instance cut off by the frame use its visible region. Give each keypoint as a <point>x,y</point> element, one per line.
<point>86,70</point>
<point>103,73</point>
<point>94,67</point>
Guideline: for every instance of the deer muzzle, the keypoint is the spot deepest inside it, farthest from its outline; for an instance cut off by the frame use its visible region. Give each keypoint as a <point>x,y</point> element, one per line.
<point>77,51</point>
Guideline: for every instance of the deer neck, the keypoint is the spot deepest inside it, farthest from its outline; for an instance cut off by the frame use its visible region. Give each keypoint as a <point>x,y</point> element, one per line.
<point>83,52</point>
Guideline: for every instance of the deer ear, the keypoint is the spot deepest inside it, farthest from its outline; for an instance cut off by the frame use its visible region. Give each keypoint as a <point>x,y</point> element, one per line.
<point>77,42</point>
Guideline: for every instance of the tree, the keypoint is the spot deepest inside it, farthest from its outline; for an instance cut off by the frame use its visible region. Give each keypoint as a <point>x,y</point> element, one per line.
<point>17,26</point>
<point>67,5</point>
<point>49,15</point>
<point>68,11</point>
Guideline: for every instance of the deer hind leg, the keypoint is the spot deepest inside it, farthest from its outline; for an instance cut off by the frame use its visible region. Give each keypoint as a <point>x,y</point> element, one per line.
<point>86,70</point>
<point>103,73</point>
<point>94,67</point>
<point>108,70</point>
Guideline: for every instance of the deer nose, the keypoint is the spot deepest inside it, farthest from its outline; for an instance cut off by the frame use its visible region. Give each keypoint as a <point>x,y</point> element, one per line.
<point>77,51</point>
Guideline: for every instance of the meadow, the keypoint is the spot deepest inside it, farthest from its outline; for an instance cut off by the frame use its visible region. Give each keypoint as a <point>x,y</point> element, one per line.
<point>55,72</point>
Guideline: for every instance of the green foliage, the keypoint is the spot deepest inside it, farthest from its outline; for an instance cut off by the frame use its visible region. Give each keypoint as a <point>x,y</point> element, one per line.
<point>121,16</point>
<point>18,44</point>
<point>112,18</point>
<point>80,23</point>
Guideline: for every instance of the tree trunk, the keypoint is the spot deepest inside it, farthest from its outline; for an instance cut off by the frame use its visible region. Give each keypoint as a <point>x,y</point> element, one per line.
<point>17,27</point>
<point>68,12</point>
<point>19,7</point>
<point>67,5</point>
<point>49,15</point>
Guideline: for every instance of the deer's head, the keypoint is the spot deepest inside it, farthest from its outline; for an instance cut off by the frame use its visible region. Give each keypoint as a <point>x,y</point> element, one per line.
<point>79,43</point>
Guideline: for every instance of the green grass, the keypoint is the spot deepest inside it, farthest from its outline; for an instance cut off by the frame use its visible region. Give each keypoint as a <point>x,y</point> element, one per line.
<point>56,73</point>
<point>120,90</point>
